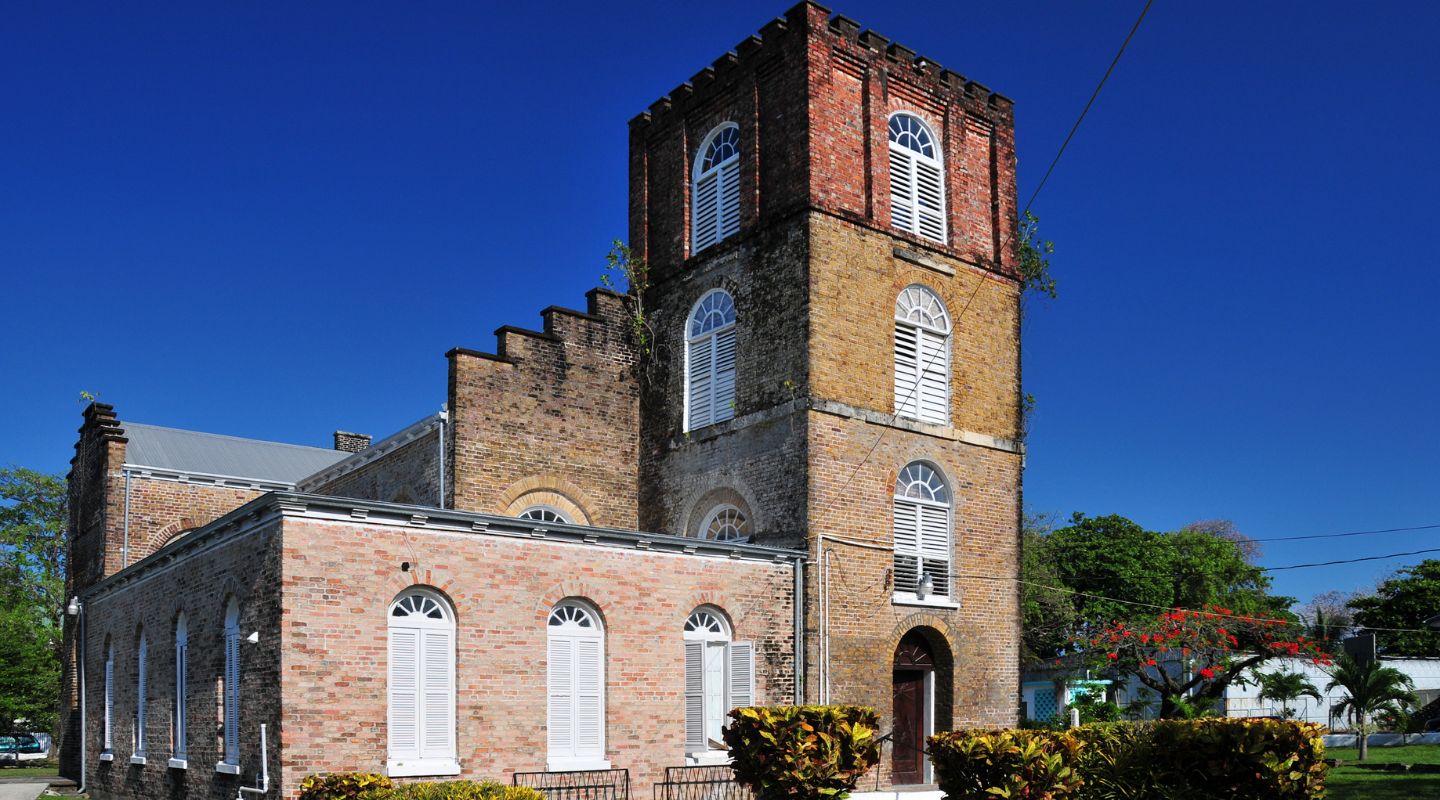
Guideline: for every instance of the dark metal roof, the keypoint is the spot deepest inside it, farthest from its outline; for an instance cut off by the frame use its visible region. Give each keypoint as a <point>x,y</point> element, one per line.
<point>231,456</point>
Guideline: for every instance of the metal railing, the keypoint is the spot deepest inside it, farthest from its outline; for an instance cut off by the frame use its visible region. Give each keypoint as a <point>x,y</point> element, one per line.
<point>701,783</point>
<point>589,784</point>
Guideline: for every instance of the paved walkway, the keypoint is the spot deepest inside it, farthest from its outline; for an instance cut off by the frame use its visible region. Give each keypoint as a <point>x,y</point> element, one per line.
<point>23,790</point>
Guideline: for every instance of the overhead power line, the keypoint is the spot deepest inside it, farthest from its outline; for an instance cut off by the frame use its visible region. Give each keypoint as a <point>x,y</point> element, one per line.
<point>1351,560</point>
<point>1347,533</point>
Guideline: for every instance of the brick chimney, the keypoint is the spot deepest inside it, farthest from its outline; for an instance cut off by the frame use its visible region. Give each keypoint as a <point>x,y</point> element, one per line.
<point>348,442</point>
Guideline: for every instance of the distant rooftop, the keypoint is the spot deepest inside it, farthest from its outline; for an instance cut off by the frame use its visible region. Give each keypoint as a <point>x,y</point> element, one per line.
<point>230,456</point>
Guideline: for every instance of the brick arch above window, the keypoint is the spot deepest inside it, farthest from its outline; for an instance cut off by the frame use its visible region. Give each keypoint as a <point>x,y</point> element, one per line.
<point>703,509</point>
<point>171,532</point>
<point>550,491</point>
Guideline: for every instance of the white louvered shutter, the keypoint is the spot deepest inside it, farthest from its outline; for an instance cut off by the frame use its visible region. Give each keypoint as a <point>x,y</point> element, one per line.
<point>934,377</point>
<point>695,739</point>
<point>140,675</point>
<point>907,368</point>
<point>929,201</point>
<point>902,189</point>
<point>109,697</point>
<point>404,719</point>
<point>560,720</point>
<point>589,699</point>
<point>437,694</point>
<point>729,200</point>
<point>723,395</point>
<point>907,546</point>
<point>706,220</point>
<point>935,546</point>
<point>741,684</point>
<point>232,697</point>
<point>702,383</point>
<point>182,679</point>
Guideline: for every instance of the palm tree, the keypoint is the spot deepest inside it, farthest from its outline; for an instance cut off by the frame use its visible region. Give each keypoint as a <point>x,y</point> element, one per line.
<point>1371,688</point>
<point>1284,687</point>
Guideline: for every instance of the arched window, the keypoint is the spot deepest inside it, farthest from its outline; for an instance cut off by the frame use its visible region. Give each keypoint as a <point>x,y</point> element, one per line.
<point>922,356</point>
<point>230,729</point>
<point>178,725</point>
<point>421,685</point>
<point>137,751</point>
<point>922,534</point>
<point>725,523</point>
<point>575,679</point>
<point>715,193</point>
<point>719,676</point>
<point>107,730</point>
<point>710,361</point>
<point>544,514</point>
<point>917,189</point>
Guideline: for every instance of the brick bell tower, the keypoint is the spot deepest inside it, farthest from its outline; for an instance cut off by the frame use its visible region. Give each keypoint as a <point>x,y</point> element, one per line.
<point>829,221</point>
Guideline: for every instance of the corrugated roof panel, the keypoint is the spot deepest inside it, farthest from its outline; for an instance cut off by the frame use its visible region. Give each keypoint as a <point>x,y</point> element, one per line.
<point>214,454</point>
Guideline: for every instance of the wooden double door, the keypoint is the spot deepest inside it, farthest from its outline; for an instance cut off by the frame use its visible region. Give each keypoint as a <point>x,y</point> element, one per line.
<point>913,692</point>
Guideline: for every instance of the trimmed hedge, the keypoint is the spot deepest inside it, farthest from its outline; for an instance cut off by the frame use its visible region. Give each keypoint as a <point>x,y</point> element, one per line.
<point>370,786</point>
<point>341,785</point>
<point>802,752</point>
<point>1167,760</point>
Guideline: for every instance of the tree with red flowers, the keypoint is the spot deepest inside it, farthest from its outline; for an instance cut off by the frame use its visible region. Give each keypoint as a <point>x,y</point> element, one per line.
<point>1195,655</point>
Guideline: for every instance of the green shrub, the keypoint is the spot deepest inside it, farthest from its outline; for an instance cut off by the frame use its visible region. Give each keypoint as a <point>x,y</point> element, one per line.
<point>454,790</point>
<point>802,752</point>
<point>1242,759</point>
<point>341,785</point>
<point>984,765</point>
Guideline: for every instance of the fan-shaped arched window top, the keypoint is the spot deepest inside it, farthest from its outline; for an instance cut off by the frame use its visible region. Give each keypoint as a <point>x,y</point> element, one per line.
<point>704,623</point>
<point>544,514</point>
<point>918,305</point>
<point>922,356</point>
<point>726,523</point>
<point>715,194</point>
<point>710,361</point>
<point>419,607</point>
<point>574,617</point>
<point>922,534</point>
<point>917,187</point>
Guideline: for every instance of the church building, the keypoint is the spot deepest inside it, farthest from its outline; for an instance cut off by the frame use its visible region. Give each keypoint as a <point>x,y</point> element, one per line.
<point>795,478</point>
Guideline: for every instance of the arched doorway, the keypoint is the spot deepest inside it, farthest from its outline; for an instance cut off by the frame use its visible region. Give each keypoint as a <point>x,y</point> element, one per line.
<point>914,696</point>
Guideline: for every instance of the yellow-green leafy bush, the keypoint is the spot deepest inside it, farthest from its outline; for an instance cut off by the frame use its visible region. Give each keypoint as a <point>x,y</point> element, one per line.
<point>455,790</point>
<point>985,765</point>
<point>802,752</point>
<point>341,785</point>
<point>1240,759</point>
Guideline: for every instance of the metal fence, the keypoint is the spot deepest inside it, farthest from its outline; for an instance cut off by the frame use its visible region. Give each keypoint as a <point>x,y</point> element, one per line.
<point>701,783</point>
<point>590,784</point>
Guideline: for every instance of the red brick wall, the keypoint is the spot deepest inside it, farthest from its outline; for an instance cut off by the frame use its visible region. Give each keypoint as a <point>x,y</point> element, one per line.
<point>410,474</point>
<point>340,579</point>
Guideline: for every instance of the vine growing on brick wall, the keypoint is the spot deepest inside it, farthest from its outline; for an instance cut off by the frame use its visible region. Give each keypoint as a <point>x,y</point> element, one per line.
<point>630,275</point>
<point>1035,279</point>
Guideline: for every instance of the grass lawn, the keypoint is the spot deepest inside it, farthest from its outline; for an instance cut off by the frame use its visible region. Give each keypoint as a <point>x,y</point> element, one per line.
<point>1354,783</point>
<point>30,772</point>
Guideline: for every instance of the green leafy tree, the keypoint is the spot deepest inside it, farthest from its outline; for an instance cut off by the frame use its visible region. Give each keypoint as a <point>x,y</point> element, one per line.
<point>1372,688</point>
<point>1048,614</point>
<point>1035,255</point>
<point>1211,567</point>
<point>29,671</point>
<point>1285,687</point>
<point>1112,557</point>
<point>32,540</point>
<point>1406,600</point>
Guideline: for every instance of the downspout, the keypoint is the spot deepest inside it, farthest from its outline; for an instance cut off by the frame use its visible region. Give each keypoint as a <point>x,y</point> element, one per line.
<point>80,651</point>
<point>799,630</point>
<point>125,542</point>
<point>444,416</point>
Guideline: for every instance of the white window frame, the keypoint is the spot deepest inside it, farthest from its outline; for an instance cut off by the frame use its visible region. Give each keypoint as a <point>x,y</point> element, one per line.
<point>421,626</point>
<point>574,634</point>
<point>544,513</point>
<point>710,360</point>
<point>922,356</point>
<point>229,762</point>
<point>715,188</point>
<point>179,725</point>
<point>917,179</point>
<point>137,748</point>
<point>710,649</point>
<point>107,728</point>
<point>934,555</point>
<point>730,513</point>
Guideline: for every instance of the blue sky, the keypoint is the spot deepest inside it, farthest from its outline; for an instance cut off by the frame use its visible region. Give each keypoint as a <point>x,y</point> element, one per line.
<point>271,220</point>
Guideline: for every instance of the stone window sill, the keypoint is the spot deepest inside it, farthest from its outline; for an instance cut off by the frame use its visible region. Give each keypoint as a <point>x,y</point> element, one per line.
<point>227,769</point>
<point>178,763</point>
<point>138,760</point>
<point>106,755</point>
<point>903,599</point>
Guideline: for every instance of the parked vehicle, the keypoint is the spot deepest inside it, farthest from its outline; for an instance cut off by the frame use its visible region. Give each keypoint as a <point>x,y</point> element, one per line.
<point>20,747</point>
